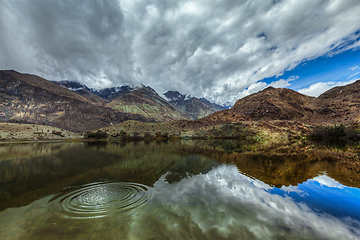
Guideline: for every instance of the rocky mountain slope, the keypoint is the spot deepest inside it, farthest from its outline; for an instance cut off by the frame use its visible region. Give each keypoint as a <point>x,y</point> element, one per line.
<point>275,103</point>
<point>26,98</point>
<point>194,108</point>
<point>277,114</point>
<point>103,95</point>
<point>146,102</point>
<point>349,92</point>
<point>110,94</point>
<point>338,105</point>
<point>69,105</point>
<point>83,90</point>
<point>197,108</point>
<point>214,106</point>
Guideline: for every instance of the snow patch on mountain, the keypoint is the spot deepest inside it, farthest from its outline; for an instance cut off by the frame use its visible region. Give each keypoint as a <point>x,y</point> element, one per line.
<point>226,105</point>
<point>72,85</point>
<point>187,97</point>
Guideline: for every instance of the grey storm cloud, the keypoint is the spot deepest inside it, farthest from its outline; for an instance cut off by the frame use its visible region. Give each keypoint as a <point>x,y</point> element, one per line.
<point>68,39</point>
<point>217,49</point>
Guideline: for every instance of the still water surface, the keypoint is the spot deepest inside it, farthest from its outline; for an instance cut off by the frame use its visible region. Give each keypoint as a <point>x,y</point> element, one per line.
<point>173,190</point>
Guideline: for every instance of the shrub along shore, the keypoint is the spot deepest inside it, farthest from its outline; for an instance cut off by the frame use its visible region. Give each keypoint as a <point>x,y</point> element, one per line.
<point>252,131</point>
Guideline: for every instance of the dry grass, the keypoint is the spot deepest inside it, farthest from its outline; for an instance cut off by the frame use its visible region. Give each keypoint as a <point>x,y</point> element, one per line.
<point>34,132</point>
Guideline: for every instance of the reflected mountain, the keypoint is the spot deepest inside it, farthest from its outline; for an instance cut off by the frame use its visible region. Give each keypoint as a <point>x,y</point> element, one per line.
<point>189,166</point>
<point>220,204</point>
<point>32,171</point>
<point>26,179</point>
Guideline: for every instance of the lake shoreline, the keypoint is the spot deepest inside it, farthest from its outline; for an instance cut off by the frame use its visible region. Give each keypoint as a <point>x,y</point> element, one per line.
<point>279,144</point>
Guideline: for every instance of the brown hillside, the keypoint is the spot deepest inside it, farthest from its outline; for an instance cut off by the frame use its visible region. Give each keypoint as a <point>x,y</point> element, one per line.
<point>94,99</point>
<point>83,91</point>
<point>27,98</point>
<point>275,104</point>
<point>336,106</point>
<point>341,104</point>
<point>12,80</point>
<point>271,112</point>
<point>196,108</point>
<point>349,92</point>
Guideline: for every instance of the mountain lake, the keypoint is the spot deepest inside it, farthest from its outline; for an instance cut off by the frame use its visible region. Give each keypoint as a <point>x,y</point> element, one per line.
<point>173,190</point>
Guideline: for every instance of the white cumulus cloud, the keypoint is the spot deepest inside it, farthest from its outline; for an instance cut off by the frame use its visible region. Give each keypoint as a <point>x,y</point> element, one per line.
<point>258,86</point>
<point>316,89</point>
<point>213,49</point>
<point>327,181</point>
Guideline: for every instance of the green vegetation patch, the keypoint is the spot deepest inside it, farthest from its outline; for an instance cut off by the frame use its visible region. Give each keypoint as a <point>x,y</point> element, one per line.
<point>96,135</point>
<point>231,130</point>
<point>334,133</point>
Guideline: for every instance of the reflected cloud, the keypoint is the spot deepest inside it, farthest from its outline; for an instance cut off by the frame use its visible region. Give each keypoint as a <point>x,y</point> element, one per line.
<point>290,189</point>
<point>328,181</point>
<point>221,203</point>
<point>225,202</point>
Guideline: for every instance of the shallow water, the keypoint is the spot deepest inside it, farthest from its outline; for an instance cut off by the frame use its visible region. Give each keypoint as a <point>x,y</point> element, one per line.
<point>173,190</point>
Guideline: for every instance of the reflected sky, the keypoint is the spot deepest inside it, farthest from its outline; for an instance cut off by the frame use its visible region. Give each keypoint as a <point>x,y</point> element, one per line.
<point>191,195</point>
<point>222,203</point>
<point>230,202</point>
<point>324,195</point>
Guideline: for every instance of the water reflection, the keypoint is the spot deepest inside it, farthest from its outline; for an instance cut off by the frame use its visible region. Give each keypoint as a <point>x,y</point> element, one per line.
<point>189,166</point>
<point>226,204</point>
<point>175,190</point>
<point>99,200</point>
<point>321,194</point>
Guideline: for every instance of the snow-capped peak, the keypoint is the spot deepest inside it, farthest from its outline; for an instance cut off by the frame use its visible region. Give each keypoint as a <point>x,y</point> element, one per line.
<point>72,85</point>
<point>172,96</point>
<point>187,97</point>
<point>226,105</point>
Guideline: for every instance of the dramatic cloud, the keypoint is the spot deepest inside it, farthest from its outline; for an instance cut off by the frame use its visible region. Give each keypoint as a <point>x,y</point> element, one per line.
<point>256,87</point>
<point>215,49</point>
<point>316,89</point>
<point>65,39</point>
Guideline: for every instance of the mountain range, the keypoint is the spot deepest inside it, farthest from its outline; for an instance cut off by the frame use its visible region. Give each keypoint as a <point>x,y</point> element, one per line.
<point>26,98</point>
<point>73,106</point>
<point>146,101</point>
<point>339,105</point>
<point>195,107</point>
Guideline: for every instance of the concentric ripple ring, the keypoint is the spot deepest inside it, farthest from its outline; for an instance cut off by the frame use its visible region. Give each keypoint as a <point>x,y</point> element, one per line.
<point>98,200</point>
